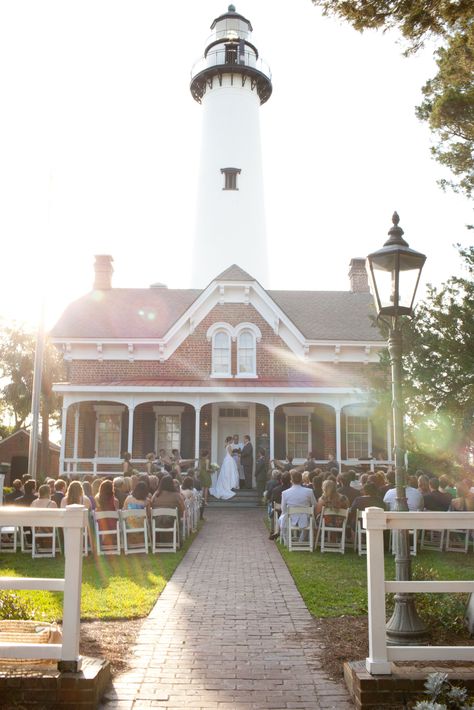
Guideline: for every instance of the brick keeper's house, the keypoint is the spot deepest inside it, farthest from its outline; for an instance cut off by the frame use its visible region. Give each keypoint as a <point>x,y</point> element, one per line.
<point>183,368</point>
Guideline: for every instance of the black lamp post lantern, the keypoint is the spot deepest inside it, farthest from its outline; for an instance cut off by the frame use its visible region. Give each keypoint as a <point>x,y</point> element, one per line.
<point>394,272</point>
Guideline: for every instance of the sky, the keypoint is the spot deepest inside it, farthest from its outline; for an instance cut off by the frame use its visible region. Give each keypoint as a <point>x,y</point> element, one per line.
<point>100,147</point>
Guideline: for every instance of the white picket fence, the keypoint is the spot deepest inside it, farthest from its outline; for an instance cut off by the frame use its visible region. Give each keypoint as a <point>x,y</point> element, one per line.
<point>72,519</point>
<point>375,522</point>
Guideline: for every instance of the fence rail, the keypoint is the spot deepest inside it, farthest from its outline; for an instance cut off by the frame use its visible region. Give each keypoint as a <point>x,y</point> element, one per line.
<point>375,521</point>
<point>72,520</point>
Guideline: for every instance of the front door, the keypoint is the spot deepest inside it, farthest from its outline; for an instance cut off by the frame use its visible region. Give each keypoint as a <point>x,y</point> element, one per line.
<point>229,427</point>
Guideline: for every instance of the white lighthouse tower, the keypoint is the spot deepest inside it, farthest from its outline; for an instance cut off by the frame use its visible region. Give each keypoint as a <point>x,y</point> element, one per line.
<point>230,81</point>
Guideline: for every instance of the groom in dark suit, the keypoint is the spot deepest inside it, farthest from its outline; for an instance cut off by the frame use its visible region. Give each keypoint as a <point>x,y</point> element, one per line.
<point>246,460</point>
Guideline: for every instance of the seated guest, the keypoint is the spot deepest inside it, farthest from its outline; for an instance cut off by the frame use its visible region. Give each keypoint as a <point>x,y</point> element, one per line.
<point>29,494</point>
<point>414,498</point>
<point>446,486</point>
<point>344,487</point>
<point>138,499</point>
<point>96,486</point>
<point>370,498</point>
<point>464,502</point>
<point>332,463</point>
<point>389,482</point>
<point>120,490</point>
<point>305,480</point>
<point>75,496</point>
<point>187,488</point>
<point>59,491</point>
<point>17,491</point>
<point>295,496</point>
<point>412,481</point>
<point>87,488</point>
<point>310,464</point>
<point>167,496</point>
<point>105,500</point>
<point>277,491</point>
<point>435,499</point>
<point>317,483</point>
<point>44,498</point>
<point>153,483</point>
<point>423,484</point>
<point>274,481</point>
<point>330,497</point>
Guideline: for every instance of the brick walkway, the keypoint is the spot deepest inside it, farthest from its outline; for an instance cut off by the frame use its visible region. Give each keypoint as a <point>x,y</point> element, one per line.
<point>228,631</point>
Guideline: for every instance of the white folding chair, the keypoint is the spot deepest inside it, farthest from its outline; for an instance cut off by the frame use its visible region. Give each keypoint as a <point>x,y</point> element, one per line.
<point>40,535</point>
<point>25,539</point>
<point>107,540</point>
<point>360,538</point>
<point>457,540</point>
<point>8,538</point>
<point>134,525</point>
<point>332,530</point>
<point>163,528</point>
<point>432,540</point>
<point>300,537</point>
<point>412,541</point>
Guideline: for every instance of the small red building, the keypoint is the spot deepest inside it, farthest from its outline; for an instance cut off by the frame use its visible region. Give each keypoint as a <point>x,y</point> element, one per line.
<point>14,451</point>
<point>183,368</point>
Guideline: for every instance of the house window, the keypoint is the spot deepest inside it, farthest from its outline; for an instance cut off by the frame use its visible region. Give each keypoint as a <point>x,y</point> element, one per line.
<point>246,356</point>
<point>233,413</point>
<point>297,436</point>
<point>230,178</point>
<point>357,437</point>
<point>109,434</point>
<point>221,353</point>
<point>168,432</point>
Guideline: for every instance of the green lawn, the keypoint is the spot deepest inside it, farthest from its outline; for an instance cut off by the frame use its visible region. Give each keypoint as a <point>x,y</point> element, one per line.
<point>113,587</point>
<point>336,585</point>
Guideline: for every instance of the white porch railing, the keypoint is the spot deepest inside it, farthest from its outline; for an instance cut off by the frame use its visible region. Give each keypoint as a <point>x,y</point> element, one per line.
<point>376,521</point>
<point>72,519</point>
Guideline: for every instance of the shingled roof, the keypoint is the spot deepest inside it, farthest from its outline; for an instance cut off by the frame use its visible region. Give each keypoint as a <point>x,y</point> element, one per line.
<point>129,313</point>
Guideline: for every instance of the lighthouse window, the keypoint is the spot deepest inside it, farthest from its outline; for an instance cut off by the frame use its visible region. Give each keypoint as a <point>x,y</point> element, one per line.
<point>230,178</point>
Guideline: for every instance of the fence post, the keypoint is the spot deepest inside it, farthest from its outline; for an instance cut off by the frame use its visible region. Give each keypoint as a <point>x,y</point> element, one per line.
<point>375,523</point>
<point>76,519</point>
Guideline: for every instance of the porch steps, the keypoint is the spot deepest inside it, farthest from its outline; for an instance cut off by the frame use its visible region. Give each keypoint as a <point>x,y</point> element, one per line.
<point>242,499</point>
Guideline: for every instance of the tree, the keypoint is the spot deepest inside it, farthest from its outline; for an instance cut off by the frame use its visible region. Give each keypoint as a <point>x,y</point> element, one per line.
<point>17,353</point>
<point>438,364</point>
<point>448,106</point>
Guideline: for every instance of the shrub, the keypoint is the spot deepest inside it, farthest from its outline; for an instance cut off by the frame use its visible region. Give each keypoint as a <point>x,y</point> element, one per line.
<point>443,695</point>
<point>13,606</point>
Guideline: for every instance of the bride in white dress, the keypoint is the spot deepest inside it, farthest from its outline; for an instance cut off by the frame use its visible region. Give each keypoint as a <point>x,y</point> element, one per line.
<point>228,476</point>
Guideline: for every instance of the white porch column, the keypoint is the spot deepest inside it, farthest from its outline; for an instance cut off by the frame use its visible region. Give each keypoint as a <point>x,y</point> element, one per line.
<point>131,410</point>
<point>271,413</point>
<point>63,439</point>
<point>389,441</point>
<point>76,435</point>
<point>197,432</point>
<point>337,411</point>
<point>369,443</point>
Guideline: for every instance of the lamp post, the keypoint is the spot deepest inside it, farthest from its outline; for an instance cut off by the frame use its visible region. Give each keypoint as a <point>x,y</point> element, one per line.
<point>394,273</point>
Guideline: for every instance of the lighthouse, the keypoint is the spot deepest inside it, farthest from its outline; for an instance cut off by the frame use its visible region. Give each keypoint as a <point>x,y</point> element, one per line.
<point>230,81</point>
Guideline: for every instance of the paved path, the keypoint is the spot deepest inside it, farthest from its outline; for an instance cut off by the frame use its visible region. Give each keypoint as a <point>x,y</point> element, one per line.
<point>228,631</point>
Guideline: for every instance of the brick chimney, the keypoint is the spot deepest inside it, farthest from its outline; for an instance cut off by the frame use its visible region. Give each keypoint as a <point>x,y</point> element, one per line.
<point>103,272</point>
<point>358,276</point>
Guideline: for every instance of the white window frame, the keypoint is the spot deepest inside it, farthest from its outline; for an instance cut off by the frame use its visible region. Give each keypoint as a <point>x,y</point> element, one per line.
<point>168,411</point>
<point>220,373</point>
<point>253,372</point>
<point>299,412</point>
<point>361,416</point>
<point>104,409</point>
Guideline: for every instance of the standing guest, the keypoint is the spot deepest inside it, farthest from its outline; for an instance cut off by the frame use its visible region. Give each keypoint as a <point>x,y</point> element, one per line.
<point>59,491</point>
<point>87,488</point>
<point>295,496</point>
<point>332,463</point>
<point>310,464</point>
<point>464,502</point>
<point>260,473</point>
<point>75,496</point>
<point>436,500</point>
<point>29,495</point>
<point>205,474</point>
<point>44,498</point>
<point>16,492</point>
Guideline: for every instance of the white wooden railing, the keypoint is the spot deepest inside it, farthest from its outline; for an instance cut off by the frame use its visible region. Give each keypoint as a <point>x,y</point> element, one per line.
<point>72,519</point>
<point>376,521</point>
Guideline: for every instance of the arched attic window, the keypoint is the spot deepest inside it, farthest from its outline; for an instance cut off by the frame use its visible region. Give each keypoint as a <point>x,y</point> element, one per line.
<point>246,354</point>
<point>221,353</point>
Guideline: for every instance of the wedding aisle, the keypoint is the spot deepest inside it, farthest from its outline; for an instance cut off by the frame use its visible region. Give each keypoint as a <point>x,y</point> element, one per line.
<point>228,631</point>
